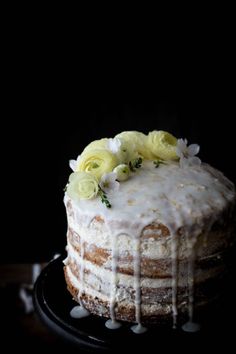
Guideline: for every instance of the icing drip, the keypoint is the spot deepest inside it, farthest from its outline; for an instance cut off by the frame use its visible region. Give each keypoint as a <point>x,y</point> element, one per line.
<point>112,323</point>
<point>137,287</point>
<point>174,223</point>
<point>79,311</point>
<point>191,326</point>
<point>174,246</point>
<point>191,268</point>
<point>81,275</point>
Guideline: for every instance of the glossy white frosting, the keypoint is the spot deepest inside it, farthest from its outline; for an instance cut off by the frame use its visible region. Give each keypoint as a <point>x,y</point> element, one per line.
<point>167,194</point>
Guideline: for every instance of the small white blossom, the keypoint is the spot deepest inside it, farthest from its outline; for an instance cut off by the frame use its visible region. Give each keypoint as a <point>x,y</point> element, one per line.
<point>108,183</point>
<point>187,153</point>
<point>74,163</point>
<point>114,145</point>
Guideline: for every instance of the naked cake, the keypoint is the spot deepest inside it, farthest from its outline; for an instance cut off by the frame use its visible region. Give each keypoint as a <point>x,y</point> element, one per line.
<point>149,226</point>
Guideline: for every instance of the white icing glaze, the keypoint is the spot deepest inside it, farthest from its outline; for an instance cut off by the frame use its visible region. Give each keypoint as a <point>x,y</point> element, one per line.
<point>191,327</point>
<point>138,329</point>
<point>79,312</point>
<point>112,324</point>
<point>175,277</point>
<point>188,199</point>
<point>137,285</point>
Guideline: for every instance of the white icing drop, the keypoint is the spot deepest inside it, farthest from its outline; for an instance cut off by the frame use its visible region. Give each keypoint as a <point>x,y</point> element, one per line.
<point>79,312</point>
<point>191,327</point>
<point>138,329</point>
<point>112,324</point>
<point>188,199</point>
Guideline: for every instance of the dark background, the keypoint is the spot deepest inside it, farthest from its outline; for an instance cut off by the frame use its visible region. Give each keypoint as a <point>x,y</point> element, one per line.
<point>47,136</point>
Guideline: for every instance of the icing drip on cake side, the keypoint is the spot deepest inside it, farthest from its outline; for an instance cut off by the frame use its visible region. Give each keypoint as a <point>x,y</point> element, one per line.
<point>174,277</point>
<point>80,311</point>
<point>137,287</point>
<point>112,323</point>
<point>187,200</point>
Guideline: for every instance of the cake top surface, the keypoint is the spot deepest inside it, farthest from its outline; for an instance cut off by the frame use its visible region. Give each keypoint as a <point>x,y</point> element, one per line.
<point>143,179</point>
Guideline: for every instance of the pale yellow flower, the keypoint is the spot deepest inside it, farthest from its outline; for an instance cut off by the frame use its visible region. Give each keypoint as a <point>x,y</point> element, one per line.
<point>162,145</point>
<point>82,185</point>
<point>97,161</point>
<point>97,144</point>
<point>134,143</point>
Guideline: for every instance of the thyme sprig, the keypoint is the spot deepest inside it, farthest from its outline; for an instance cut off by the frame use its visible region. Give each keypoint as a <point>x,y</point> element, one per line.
<point>158,162</point>
<point>103,197</point>
<point>136,163</point>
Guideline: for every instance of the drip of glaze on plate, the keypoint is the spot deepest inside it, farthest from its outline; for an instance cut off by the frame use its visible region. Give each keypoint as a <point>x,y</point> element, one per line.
<point>79,312</point>
<point>112,324</point>
<point>138,329</point>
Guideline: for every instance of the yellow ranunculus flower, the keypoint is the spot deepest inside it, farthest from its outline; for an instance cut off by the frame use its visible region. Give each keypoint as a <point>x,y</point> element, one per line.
<point>97,161</point>
<point>82,185</point>
<point>162,145</point>
<point>97,144</point>
<point>139,142</point>
<point>127,152</point>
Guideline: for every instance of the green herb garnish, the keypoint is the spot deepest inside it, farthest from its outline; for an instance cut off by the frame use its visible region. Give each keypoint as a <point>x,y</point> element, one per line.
<point>103,197</point>
<point>158,162</point>
<point>136,163</point>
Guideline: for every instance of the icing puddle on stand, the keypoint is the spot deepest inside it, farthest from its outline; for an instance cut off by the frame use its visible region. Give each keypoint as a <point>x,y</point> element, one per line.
<point>191,327</point>
<point>112,324</point>
<point>138,329</point>
<point>79,312</point>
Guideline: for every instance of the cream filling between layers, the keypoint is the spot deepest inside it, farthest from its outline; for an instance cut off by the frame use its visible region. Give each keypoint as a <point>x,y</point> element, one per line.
<point>104,275</point>
<point>96,234</point>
